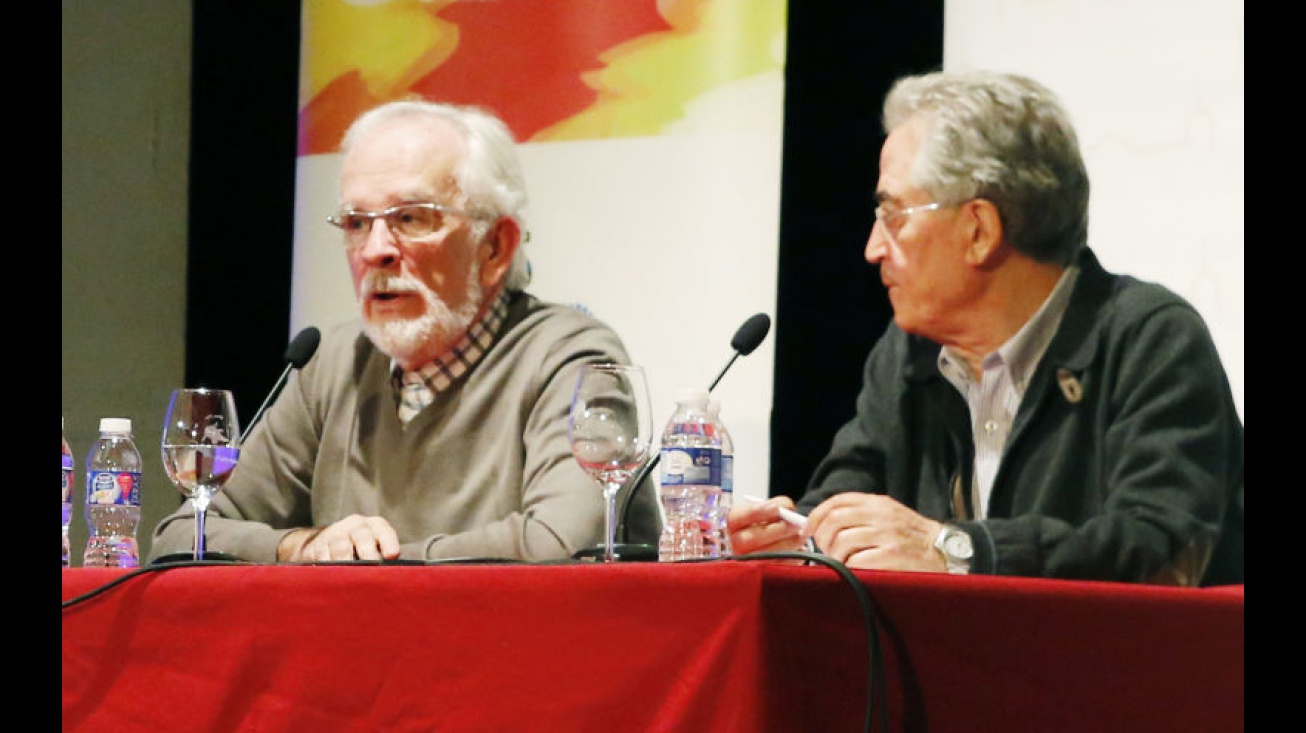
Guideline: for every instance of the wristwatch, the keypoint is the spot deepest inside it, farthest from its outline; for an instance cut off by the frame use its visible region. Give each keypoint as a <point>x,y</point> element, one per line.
<point>955,544</point>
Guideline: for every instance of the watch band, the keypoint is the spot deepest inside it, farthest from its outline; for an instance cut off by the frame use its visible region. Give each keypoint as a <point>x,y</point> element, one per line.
<point>955,545</point>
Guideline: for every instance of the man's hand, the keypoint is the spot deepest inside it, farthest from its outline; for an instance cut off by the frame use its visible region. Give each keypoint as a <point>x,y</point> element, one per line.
<point>353,538</point>
<point>759,528</point>
<point>874,531</point>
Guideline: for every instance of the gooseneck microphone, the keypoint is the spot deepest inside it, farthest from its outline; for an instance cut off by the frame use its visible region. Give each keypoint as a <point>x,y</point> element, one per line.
<point>301,349</point>
<point>747,338</point>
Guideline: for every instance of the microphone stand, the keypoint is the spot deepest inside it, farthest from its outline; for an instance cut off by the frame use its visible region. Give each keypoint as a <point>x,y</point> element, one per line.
<point>746,339</point>
<point>627,494</point>
<point>624,550</point>
<point>722,373</point>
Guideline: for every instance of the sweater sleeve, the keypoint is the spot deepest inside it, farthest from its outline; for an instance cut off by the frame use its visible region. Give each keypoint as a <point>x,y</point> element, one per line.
<point>268,493</point>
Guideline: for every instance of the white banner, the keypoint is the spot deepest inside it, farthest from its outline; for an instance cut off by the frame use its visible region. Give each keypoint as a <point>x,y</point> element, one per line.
<point>1155,89</point>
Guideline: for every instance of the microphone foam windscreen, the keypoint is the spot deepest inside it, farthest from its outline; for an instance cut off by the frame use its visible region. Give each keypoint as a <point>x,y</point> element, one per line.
<point>303,346</point>
<point>751,334</point>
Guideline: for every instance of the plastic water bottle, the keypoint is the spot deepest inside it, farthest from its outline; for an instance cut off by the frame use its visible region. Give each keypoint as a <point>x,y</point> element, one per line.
<point>727,477</point>
<point>690,486</point>
<point>67,492</point>
<point>113,497</point>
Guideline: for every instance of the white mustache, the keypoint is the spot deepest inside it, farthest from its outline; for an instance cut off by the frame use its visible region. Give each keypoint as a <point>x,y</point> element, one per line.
<point>384,282</point>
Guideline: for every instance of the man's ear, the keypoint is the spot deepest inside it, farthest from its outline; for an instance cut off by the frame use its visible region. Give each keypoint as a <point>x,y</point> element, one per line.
<point>497,250</point>
<point>986,234</point>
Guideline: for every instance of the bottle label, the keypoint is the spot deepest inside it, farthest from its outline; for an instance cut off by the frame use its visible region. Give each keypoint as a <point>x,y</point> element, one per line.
<point>113,487</point>
<point>727,473</point>
<point>67,477</point>
<point>686,466</point>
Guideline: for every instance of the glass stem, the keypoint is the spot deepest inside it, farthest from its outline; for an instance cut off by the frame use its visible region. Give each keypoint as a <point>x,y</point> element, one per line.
<point>610,490</point>
<point>200,503</point>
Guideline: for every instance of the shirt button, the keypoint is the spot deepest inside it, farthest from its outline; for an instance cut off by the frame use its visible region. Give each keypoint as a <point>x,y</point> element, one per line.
<point>991,426</point>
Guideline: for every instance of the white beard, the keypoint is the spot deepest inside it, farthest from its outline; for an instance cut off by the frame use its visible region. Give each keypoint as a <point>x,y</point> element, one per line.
<point>403,339</point>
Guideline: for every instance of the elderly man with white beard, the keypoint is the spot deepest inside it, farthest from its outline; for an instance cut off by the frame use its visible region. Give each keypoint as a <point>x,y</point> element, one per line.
<point>435,425</point>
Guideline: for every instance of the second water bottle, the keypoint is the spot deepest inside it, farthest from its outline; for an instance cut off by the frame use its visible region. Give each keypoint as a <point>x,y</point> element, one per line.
<point>690,484</point>
<point>113,496</point>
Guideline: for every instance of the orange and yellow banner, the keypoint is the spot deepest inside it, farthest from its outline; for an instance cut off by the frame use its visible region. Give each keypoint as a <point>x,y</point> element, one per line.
<point>552,69</point>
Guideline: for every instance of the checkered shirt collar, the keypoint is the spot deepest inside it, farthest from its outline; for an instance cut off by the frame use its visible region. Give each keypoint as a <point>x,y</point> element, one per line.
<point>418,388</point>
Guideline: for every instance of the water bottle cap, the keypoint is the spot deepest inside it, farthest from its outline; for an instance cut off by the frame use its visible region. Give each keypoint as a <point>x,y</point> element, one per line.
<point>694,395</point>
<point>115,425</point>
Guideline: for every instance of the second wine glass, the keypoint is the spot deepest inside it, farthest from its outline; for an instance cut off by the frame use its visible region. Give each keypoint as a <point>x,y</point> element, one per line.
<point>611,433</point>
<point>200,443</point>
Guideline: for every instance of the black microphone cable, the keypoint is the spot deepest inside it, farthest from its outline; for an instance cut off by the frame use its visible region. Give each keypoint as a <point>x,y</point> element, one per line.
<point>143,570</point>
<point>877,694</point>
<point>169,564</point>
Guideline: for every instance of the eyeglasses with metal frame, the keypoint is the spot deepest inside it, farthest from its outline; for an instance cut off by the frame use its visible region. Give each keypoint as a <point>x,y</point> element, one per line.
<point>889,216</point>
<point>406,221</point>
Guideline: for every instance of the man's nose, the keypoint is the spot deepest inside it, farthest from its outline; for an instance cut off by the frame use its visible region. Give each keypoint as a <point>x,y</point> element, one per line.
<point>380,246</point>
<point>877,243</point>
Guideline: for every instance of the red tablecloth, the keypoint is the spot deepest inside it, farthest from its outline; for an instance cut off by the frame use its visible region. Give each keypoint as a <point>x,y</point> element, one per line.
<point>722,646</point>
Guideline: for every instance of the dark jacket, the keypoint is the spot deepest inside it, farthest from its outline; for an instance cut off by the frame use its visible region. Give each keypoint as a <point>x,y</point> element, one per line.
<point>1125,460</point>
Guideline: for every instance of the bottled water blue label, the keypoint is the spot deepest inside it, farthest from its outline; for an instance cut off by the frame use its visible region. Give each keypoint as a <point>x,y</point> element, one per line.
<point>686,465</point>
<point>113,487</point>
<point>727,473</point>
<point>67,478</point>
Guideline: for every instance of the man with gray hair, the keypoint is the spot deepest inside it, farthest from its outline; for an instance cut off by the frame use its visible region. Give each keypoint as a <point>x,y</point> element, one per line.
<point>435,426</point>
<point>1026,412</point>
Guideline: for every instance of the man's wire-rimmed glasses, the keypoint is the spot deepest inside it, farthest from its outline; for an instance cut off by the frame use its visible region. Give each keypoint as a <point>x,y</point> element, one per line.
<point>892,218</point>
<point>406,221</point>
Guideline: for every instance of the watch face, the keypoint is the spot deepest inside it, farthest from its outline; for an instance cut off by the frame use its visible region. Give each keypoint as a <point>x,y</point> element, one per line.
<point>957,544</point>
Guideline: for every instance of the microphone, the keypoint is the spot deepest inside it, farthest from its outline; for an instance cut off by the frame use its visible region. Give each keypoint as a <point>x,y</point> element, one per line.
<point>747,338</point>
<point>301,349</point>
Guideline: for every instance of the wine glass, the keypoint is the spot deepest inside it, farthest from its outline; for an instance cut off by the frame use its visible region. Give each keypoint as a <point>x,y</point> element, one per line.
<point>201,444</point>
<point>611,432</point>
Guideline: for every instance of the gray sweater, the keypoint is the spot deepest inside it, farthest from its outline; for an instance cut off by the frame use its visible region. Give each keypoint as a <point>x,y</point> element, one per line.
<point>484,471</point>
